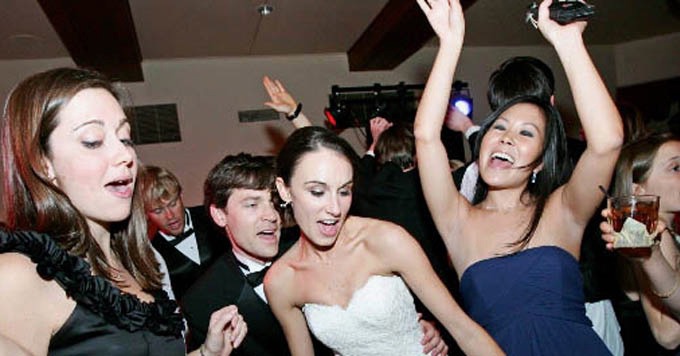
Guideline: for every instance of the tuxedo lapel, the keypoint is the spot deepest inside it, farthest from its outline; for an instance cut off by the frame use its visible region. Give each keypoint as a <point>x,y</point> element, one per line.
<point>211,243</point>
<point>172,256</point>
<point>264,331</point>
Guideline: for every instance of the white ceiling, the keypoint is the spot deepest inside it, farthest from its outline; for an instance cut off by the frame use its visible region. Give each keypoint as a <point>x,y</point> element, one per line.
<point>210,28</point>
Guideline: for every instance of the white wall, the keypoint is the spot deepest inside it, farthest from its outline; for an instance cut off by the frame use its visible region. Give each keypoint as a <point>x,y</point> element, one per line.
<point>648,60</point>
<point>210,92</point>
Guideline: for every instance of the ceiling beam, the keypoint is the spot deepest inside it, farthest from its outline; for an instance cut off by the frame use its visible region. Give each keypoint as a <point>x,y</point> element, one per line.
<point>399,30</point>
<point>98,35</point>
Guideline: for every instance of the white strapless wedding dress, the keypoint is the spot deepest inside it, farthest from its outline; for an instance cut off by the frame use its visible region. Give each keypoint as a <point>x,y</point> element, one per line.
<point>379,320</point>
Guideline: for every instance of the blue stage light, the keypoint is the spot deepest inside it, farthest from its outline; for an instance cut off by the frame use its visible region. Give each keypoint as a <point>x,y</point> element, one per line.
<point>461,99</point>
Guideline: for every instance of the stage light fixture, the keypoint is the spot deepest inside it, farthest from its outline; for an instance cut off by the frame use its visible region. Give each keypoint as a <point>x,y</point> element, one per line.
<point>461,99</point>
<point>337,114</point>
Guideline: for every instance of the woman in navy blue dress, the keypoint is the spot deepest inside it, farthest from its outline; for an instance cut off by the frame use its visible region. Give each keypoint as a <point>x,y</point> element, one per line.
<point>516,245</point>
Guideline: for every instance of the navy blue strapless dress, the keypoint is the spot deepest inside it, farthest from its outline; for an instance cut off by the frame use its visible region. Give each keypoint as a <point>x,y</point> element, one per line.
<point>531,303</point>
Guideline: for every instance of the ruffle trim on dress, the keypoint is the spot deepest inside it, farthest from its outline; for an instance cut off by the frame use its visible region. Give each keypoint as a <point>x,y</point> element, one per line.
<point>94,292</point>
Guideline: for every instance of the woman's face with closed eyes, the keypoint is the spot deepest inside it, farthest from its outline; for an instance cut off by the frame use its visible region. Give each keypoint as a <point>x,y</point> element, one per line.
<point>320,193</point>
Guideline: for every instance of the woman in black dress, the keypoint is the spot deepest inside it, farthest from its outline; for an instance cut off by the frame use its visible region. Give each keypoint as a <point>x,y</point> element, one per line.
<point>78,276</point>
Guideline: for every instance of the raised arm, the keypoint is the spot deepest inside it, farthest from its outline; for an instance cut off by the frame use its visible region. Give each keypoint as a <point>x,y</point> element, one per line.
<point>598,115</point>
<point>402,255</point>
<point>446,18</point>
<point>283,102</point>
<point>279,290</point>
<point>378,126</point>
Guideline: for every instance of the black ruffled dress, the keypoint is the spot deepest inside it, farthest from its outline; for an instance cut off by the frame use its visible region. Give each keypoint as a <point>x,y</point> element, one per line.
<point>105,321</point>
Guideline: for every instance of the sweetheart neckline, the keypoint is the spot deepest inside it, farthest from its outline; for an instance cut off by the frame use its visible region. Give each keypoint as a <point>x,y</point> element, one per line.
<point>352,297</point>
<point>528,250</point>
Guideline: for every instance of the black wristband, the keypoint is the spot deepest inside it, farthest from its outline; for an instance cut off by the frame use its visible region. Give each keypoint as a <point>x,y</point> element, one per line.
<point>295,113</point>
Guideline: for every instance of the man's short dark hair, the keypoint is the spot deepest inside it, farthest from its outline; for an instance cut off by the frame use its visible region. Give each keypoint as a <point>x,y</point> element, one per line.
<point>241,171</point>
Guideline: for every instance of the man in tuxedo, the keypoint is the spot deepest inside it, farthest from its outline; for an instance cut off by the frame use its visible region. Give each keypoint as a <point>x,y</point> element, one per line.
<point>186,237</point>
<point>239,194</point>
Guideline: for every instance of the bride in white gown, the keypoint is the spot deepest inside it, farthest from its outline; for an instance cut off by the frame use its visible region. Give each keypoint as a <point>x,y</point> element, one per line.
<point>346,277</point>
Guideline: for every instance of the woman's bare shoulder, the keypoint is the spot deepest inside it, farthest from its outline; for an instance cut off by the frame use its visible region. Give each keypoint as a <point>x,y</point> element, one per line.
<point>33,308</point>
<point>19,278</point>
<point>372,226</point>
<point>376,232</point>
<point>282,271</point>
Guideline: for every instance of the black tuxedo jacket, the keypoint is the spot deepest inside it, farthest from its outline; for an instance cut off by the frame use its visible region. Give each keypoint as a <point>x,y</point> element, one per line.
<point>390,194</point>
<point>211,245</point>
<point>224,284</point>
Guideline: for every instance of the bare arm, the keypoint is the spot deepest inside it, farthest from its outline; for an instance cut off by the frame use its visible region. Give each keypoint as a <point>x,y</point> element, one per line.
<point>441,195</point>
<point>378,126</point>
<point>283,102</point>
<point>402,254</point>
<point>660,268</point>
<point>32,309</point>
<point>662,322</point>
<point>664,326</point>
<point>598,116</point>
<point>11,348</point>
<point>279,291</point>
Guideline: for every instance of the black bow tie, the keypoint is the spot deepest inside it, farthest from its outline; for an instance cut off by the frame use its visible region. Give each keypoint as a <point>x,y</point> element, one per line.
<point>253,278</point>
<point>179,238</point>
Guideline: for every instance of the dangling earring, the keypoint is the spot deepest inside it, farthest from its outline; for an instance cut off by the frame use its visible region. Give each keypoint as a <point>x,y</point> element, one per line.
<point>533,177</point>
<point>285,204</point>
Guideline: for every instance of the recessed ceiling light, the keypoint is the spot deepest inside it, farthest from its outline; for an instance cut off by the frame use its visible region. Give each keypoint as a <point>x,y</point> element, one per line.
<point>265,9</point>
<point>24,38</point>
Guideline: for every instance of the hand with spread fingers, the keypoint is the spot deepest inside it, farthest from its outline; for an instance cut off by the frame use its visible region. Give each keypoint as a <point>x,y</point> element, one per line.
<point>280,98</point>
<point>446,18</point>
<point>283,102</point>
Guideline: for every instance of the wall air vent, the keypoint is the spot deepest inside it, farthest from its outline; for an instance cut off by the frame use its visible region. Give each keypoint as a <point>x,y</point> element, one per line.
<point>155,124</point>
<point>257,115</point>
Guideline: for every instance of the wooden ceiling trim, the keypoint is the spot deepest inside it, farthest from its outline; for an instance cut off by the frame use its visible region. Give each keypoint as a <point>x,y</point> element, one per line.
<point>399,30</point>
<point>99,35</point>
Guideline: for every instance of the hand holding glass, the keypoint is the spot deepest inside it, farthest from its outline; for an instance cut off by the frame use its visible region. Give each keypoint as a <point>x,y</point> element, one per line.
<point>642,208</point>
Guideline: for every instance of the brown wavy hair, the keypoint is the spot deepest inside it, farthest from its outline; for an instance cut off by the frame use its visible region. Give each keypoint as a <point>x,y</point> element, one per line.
<point>35,203</point>
<point>635,161</point>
